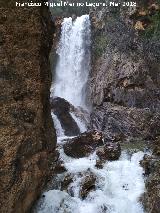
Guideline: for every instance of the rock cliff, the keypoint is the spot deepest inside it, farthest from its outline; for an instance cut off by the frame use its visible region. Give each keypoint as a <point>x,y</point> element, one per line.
<point>125,76</point>
<point>28,138</point>
<point>125,79</point>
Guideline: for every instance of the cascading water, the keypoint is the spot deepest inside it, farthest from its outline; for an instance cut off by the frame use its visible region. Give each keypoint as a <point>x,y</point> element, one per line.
<point>118,187</point>
<point>119,184</point>
<point>74,61</point>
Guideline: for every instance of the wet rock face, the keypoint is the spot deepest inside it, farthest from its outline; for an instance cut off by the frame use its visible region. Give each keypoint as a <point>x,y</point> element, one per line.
<point>156,147</point>
<point>110,151</point>
<point>125,63</point>
<point>67,180</point>
<point>28,138</point>
<point>84,144</point>
<point>122,123</point>
<point>126,81</point>
<point>62,108</point>
<point>125,76</point>
<point>151,198</point>
<point>59,167</point>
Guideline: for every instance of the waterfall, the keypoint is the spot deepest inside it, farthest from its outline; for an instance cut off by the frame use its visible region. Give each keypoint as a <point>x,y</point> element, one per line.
<point>74,61</point>
<point>120,183</point>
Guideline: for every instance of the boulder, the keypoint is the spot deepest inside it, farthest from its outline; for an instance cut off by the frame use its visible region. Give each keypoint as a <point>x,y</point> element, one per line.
<point>67,180</point>
<point>61,108</point>
<point>110,151</point>
<point>84,144</point>
<point>87,184</point>
<point>99,164</point>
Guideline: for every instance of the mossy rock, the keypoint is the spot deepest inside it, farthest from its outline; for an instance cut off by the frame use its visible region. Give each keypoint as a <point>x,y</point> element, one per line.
<point>100,46</point>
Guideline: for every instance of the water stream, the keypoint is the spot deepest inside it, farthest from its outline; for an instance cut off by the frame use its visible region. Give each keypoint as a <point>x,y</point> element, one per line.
<point>119,184</point>
<point>74,61</point>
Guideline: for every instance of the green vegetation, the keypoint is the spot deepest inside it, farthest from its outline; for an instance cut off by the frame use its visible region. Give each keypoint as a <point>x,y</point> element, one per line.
<point>134,145</point>
<point>154,29</point>
<point>100,45</point>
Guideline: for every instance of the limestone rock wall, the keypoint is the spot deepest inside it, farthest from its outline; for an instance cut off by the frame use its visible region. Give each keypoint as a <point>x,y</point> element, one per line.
<point>125,82</point>
<point>125,72</point>
<point>27,135</point>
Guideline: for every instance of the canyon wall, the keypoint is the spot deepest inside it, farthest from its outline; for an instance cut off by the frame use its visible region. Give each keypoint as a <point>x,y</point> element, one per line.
<point>28,138</point>
<point>125,80</point>
<point>125,76</point>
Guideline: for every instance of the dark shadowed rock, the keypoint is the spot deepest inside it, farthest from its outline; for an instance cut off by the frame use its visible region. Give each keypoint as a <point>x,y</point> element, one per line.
<point>147,164</point>
<point>67,180</point>
<point>156,146</point>
<point>151,198</point>
<point>74,17</point>
<point>59,167</point>
<point>122,123</point>
<point>61,108</point>
<point>87,184</point>
<point>110,151</point>
<point>84,144</point>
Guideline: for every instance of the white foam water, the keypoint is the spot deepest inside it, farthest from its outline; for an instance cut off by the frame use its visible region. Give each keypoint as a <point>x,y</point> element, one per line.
<point>80,123</point>
<point>57,125</point>
<point>118,187</point>
<point>74,61</point>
